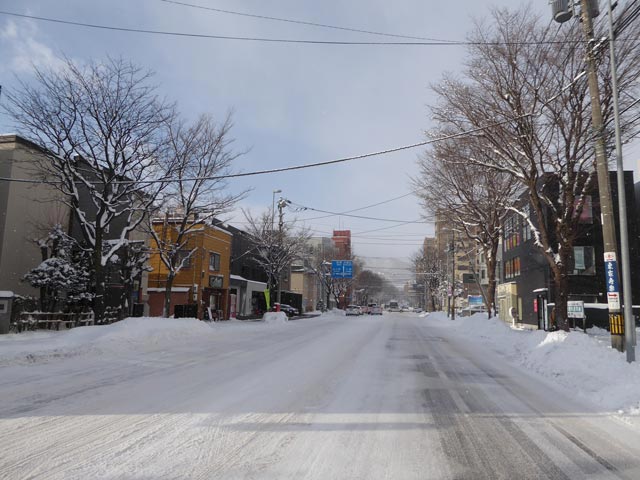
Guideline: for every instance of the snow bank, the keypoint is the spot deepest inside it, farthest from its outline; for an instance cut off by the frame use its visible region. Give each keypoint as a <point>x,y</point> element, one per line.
<point>336,312</point>
<point>584,364</point>
<point>137,334</point>
<point>275,317</point>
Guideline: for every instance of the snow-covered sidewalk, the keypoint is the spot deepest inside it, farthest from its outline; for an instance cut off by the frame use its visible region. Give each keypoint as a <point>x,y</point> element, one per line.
<point>583,364</point>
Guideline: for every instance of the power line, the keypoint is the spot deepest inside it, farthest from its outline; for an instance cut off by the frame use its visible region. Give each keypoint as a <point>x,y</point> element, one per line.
<point>284,169</point>
<point>386,228</point>
<point>308,165</point>
<point>352,216</point>
<point>361,208</point>
<point>283,40</point>
<point>303,22</point>
<point>222,37</point>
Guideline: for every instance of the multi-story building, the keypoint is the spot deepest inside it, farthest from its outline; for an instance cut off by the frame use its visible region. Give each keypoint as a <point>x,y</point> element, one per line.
<point>27,212</point>
<point>308,270</point>
<point>248,280</point>
<point>204,280</point>
<point>458,256</point>
<point>528,284</point>
<point>342,242</point>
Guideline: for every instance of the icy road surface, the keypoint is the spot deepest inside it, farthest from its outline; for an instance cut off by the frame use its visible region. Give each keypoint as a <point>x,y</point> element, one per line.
<point>396,396</point>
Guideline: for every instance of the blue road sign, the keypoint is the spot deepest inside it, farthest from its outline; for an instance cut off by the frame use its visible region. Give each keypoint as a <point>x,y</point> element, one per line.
<point>341,269</point>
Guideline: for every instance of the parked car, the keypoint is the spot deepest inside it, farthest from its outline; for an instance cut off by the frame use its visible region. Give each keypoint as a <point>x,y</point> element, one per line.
<point>352,310</point>
<point>289,310</point>
<point>375,309</point>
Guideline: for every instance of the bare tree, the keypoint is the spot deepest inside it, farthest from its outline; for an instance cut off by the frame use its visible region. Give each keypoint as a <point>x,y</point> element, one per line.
<point>525,95</point>
<point>275,248</point>
<point>475,199</point>
<point>102,127</point>
<point>371,283</point>
<point>429,271</point>
<point>201,156</point>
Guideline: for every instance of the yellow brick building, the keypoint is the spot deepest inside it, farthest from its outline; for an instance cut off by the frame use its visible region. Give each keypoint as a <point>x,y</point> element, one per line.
<point>203,281</point>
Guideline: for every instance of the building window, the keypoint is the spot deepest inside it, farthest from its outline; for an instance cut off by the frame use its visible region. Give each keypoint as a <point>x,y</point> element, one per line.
<point>512,268</point>
<point>583,260</point>
<point>586,215</point>
<point>512,228</point>
<point>184,259</point>
<point>214,261</point>
<point>526,227</point>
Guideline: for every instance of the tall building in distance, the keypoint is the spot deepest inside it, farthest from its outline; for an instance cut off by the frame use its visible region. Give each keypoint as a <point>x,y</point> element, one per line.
<point>429,246</point>
<point>342,242</point>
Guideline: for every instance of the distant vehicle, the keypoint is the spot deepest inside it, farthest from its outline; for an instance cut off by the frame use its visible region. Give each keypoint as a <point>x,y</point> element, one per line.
<point>360,310</point>
<point>375,309</point>
<point>352,310</point>
<point>418,310</point>
<point>394,306</point>
<point>289,310</point>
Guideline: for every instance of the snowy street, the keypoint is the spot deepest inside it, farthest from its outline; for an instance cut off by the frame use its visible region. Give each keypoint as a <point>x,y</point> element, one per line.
<point>397,396</point>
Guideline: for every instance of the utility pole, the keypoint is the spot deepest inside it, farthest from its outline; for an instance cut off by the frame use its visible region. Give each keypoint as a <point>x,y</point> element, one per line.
<point>616,323</point>
<point>562,12</point>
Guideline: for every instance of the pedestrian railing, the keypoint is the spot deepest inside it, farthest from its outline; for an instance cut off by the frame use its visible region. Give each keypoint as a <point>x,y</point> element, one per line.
<point>51,320</point>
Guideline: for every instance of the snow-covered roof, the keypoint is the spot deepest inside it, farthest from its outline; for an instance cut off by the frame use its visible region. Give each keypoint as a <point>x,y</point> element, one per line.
<point>6,294</point>
<point>238,277</point>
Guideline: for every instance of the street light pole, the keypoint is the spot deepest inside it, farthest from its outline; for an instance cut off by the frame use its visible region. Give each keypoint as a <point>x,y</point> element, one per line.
<point>453,276</point>
<point>273,208</point>
<point>281,204</point>
<point>629,323</point>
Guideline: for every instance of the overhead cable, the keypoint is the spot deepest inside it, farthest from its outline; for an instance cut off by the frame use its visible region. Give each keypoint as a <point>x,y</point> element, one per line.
<point>303,22</point>
<point>280,40</point>
<point>360,208</point>
<point>302,208</point>
<point>284,169</point>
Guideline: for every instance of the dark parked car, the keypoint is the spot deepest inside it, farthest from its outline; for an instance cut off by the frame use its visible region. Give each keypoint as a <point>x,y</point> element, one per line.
<point>289,310</point>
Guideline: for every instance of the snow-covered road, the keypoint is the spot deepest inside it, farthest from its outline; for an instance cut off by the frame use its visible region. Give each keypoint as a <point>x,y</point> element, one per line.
<point>396,397</point>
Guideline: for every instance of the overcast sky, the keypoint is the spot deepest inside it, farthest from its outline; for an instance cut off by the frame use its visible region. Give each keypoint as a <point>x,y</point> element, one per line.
<point>293,103</point>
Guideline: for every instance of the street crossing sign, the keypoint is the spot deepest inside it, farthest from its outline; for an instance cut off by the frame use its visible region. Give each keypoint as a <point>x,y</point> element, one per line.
<point>341,269</point>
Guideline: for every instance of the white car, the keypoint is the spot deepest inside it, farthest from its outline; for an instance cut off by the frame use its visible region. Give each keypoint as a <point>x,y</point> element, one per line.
<point>352,310</point>
<point>375,309</point>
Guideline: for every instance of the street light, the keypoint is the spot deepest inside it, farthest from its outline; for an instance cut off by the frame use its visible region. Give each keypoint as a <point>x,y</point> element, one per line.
<point>273,208</point>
